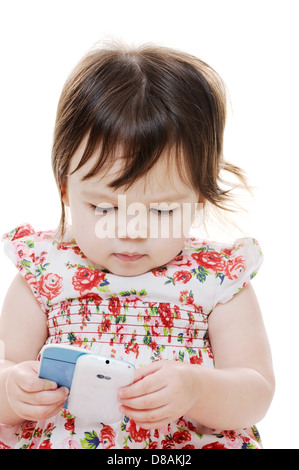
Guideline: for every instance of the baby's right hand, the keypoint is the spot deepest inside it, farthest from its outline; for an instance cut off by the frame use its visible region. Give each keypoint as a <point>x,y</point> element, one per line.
<point>31,397</point>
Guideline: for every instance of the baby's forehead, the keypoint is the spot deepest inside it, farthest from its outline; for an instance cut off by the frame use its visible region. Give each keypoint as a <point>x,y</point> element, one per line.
<point>164,176</point>
<point>160,183</point>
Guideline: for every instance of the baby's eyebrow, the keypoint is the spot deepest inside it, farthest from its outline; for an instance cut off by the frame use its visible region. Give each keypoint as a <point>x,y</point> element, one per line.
<point>171,197</point>
<point>157,198</point>
<point>154,198</point>
<point>100,196</point>
<point>95,194</point>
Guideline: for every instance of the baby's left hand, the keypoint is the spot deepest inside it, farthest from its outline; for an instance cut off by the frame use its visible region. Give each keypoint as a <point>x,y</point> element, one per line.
<point>162,392</point>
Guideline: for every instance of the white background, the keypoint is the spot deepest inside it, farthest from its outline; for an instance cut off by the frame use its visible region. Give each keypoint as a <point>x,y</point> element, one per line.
<point>254,47</point>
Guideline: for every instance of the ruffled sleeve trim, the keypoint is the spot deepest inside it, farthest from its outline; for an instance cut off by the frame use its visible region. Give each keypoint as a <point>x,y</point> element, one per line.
<point>19,246</point>
<point>241,263</point>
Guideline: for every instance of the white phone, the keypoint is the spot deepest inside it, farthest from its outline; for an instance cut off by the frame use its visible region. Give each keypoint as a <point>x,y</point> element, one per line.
<point>96,380</point>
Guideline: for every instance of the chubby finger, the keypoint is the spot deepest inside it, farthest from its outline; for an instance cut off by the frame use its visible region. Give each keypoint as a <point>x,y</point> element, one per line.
<point>153,425</point>
<point>36,412</point>
<point>53,397</point>
<point>147,402</point>
<point>144,386</point>
<point>147,418</point>
<point>25,376</point>
<point>147,370</point>
<point>32,383</point>
<point>47,384</point>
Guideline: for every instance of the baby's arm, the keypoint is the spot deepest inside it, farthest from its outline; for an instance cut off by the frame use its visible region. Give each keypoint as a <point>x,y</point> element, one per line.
<point>241,387</point>
<point>23,330</point>
<point>234,395</point>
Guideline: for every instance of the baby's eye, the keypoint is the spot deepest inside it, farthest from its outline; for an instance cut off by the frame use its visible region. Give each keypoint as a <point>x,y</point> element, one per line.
<point>99,210</point>
<point>162,212</point>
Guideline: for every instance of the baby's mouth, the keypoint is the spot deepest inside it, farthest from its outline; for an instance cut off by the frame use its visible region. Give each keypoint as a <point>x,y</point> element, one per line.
<point>128,257</point>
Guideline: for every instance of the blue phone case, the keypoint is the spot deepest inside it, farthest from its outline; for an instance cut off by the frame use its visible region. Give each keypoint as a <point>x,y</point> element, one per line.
<point>58,363</point>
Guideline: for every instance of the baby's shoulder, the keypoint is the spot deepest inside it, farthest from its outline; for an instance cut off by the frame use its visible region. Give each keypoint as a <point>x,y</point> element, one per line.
<point>25,232</point>
<point>244,246</point>
<point>224,268</point>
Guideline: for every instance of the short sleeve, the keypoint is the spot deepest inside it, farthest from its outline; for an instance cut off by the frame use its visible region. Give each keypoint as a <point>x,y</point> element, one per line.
<point>19,246</point>
<point>241,263</point>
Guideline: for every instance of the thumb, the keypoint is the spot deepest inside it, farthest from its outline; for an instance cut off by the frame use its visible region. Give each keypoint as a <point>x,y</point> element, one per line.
<point>46,384</point>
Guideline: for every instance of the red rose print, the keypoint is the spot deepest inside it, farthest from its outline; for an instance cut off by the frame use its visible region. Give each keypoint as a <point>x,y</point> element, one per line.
<point>214,445</point>
<point>177,312</point>
<point>38,432</point>
<point>70,424</point>
<point>46,444</point>
<point>132,347</point>
<point>120,333</point>
<point>166,314</point>
<point>92,297</point>
<point>107,436</point>
<point>234,267</point>
<point>182,261</point>
<point>39,259</point>
<point>230,434</point>
<point>49,428</point>
<point>154,346</point>
<point>181,436</point>
<point>62,246</point>
<point>168,444</point>
<point>186,424</point>
<point>50,285</point>
<point>23,231</point>
<point>209,260</point>
<point>155,328</point>
<point>22,250</point>
<point>105,325</point>
<point>70,245</point>
<point>31,280</point>
<point>28,430</point>
<point>227,251</point>
<point>138,435</point>
<point>182,276</point>
<point>196,360</point>
<point>85,279</point>
<point>159,271</point>
<point>77,250</point>
<point>114,306</point>
<point>153,445</point>
<point>186,297</point>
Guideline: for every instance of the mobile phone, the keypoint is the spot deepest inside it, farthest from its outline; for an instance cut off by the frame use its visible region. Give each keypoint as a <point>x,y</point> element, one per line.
<point>93,396</point>
<point>58,362</point>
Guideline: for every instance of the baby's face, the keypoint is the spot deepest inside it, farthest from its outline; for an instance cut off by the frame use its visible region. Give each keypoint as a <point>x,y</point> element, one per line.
<point>129,232</point>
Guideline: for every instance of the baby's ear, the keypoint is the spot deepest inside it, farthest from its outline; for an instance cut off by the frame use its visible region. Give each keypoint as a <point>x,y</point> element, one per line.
<point>64,195</point>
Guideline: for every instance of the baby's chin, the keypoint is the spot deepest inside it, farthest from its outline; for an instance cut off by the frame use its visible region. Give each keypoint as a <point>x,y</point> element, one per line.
<point>128,271</point>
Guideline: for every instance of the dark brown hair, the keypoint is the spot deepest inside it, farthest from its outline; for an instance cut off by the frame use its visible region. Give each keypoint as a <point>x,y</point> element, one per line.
<point>146,99</point>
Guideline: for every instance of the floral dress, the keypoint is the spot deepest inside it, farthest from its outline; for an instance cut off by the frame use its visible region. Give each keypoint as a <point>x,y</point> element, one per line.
<point>162,314</point>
